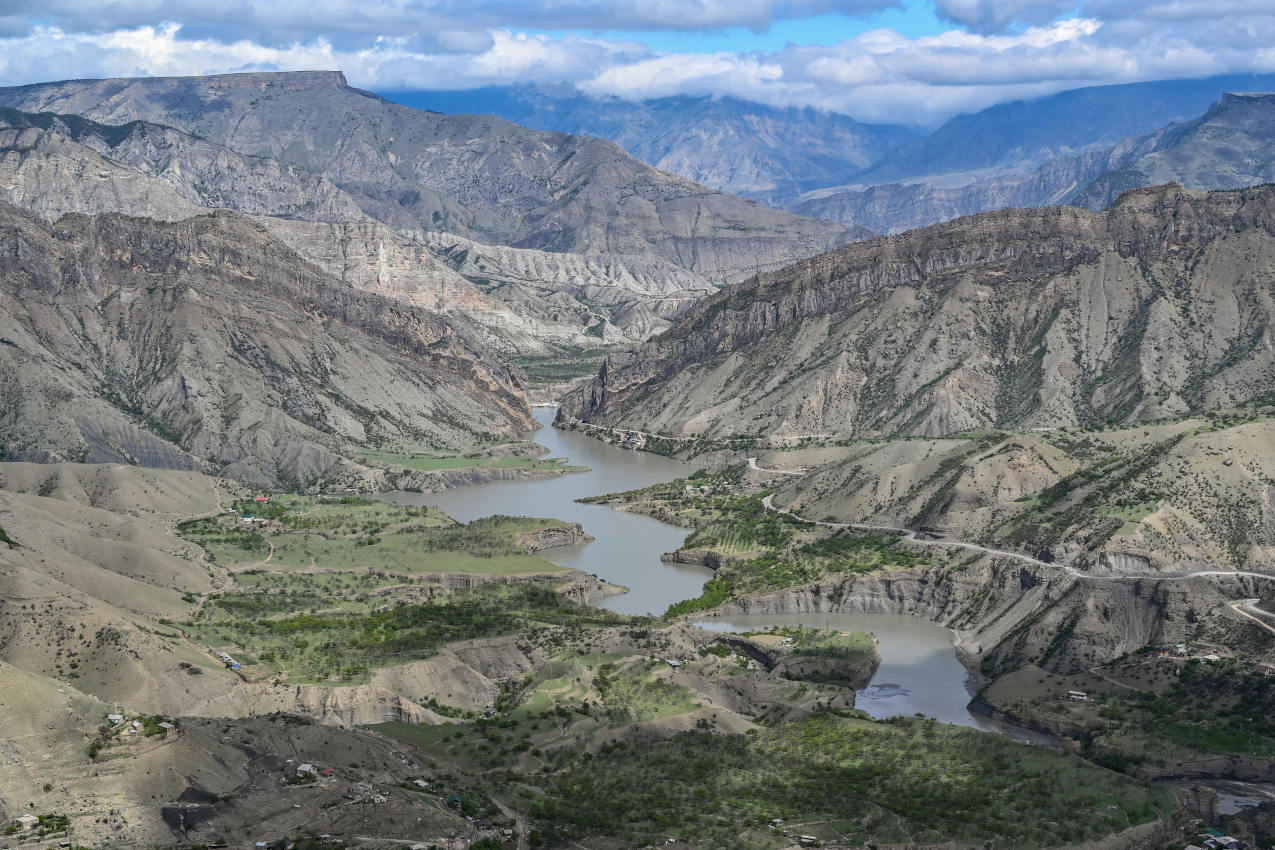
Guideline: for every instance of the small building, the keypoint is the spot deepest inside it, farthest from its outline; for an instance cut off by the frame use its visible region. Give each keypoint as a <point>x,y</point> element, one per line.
<point>28,821</point>
<point>115,718</point>
<point>261,500</point>
<point>673,662</point>
<point>306,768</point>
<point>327,771</point>
<point>1078,695</point>
<point>166,726</point>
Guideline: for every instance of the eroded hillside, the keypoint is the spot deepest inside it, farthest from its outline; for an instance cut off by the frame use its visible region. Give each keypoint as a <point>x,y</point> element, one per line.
<point>1024,318</point>
<point>206,344</point>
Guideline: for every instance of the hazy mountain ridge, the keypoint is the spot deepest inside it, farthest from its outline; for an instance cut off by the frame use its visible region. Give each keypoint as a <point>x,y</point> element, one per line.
<point>1023,318</point>
<point>1019,135</point>
<point>1018,154</point>
<point>1223,149</point>
<point>737,146</point>
<point>1229,147</point>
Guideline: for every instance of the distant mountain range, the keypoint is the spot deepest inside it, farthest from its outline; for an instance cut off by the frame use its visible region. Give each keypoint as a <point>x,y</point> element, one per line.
<point>463,240</point>
<point>737,146</point>
<point>881,178</point>
<point>1228,147</point>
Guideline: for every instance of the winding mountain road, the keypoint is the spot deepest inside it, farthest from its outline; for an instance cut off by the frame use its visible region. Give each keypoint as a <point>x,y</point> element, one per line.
<point>1248,607</point>
<point>910,534</point>
<point>752,464</point>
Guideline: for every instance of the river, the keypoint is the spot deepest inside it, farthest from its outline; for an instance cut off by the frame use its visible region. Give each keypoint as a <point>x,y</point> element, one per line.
<point>919,672</point>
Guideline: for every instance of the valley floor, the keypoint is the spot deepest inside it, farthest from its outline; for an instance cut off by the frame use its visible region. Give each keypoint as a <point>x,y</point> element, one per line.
<point>450,687</point>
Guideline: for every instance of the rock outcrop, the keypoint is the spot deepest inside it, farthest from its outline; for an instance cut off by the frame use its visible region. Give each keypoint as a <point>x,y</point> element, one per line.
<point>571,534</point>
<point>1005,614</point>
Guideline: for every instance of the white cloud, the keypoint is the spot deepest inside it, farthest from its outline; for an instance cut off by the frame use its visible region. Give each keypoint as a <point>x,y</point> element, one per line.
<point>661,76</point>
<point>996,15</point>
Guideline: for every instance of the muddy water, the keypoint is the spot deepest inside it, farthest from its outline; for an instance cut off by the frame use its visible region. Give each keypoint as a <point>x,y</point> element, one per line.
<point>628,546</point>
<point>919,671</point>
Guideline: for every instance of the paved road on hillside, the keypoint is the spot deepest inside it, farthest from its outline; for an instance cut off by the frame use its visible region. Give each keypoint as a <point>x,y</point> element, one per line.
<point>911,535</point>
<point>752,464</point>
<point>1243,607</point>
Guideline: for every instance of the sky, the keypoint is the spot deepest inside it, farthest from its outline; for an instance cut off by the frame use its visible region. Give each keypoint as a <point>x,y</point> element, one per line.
<point>902,61</point>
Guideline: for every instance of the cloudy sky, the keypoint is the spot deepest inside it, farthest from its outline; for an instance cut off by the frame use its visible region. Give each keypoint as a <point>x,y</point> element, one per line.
<point>913,61</point>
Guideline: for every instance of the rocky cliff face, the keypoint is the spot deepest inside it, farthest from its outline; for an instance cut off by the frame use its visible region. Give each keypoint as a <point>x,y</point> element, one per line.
<point>1025,318</point>
<point>416,170</point>
<point>208,344</point>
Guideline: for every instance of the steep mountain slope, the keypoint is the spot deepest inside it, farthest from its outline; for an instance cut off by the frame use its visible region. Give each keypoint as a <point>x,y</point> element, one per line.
<point>520,300</point>
<point>746,148</point>
<point>473,176</point>
<point>1026,318</point>
<point>207,344</point>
